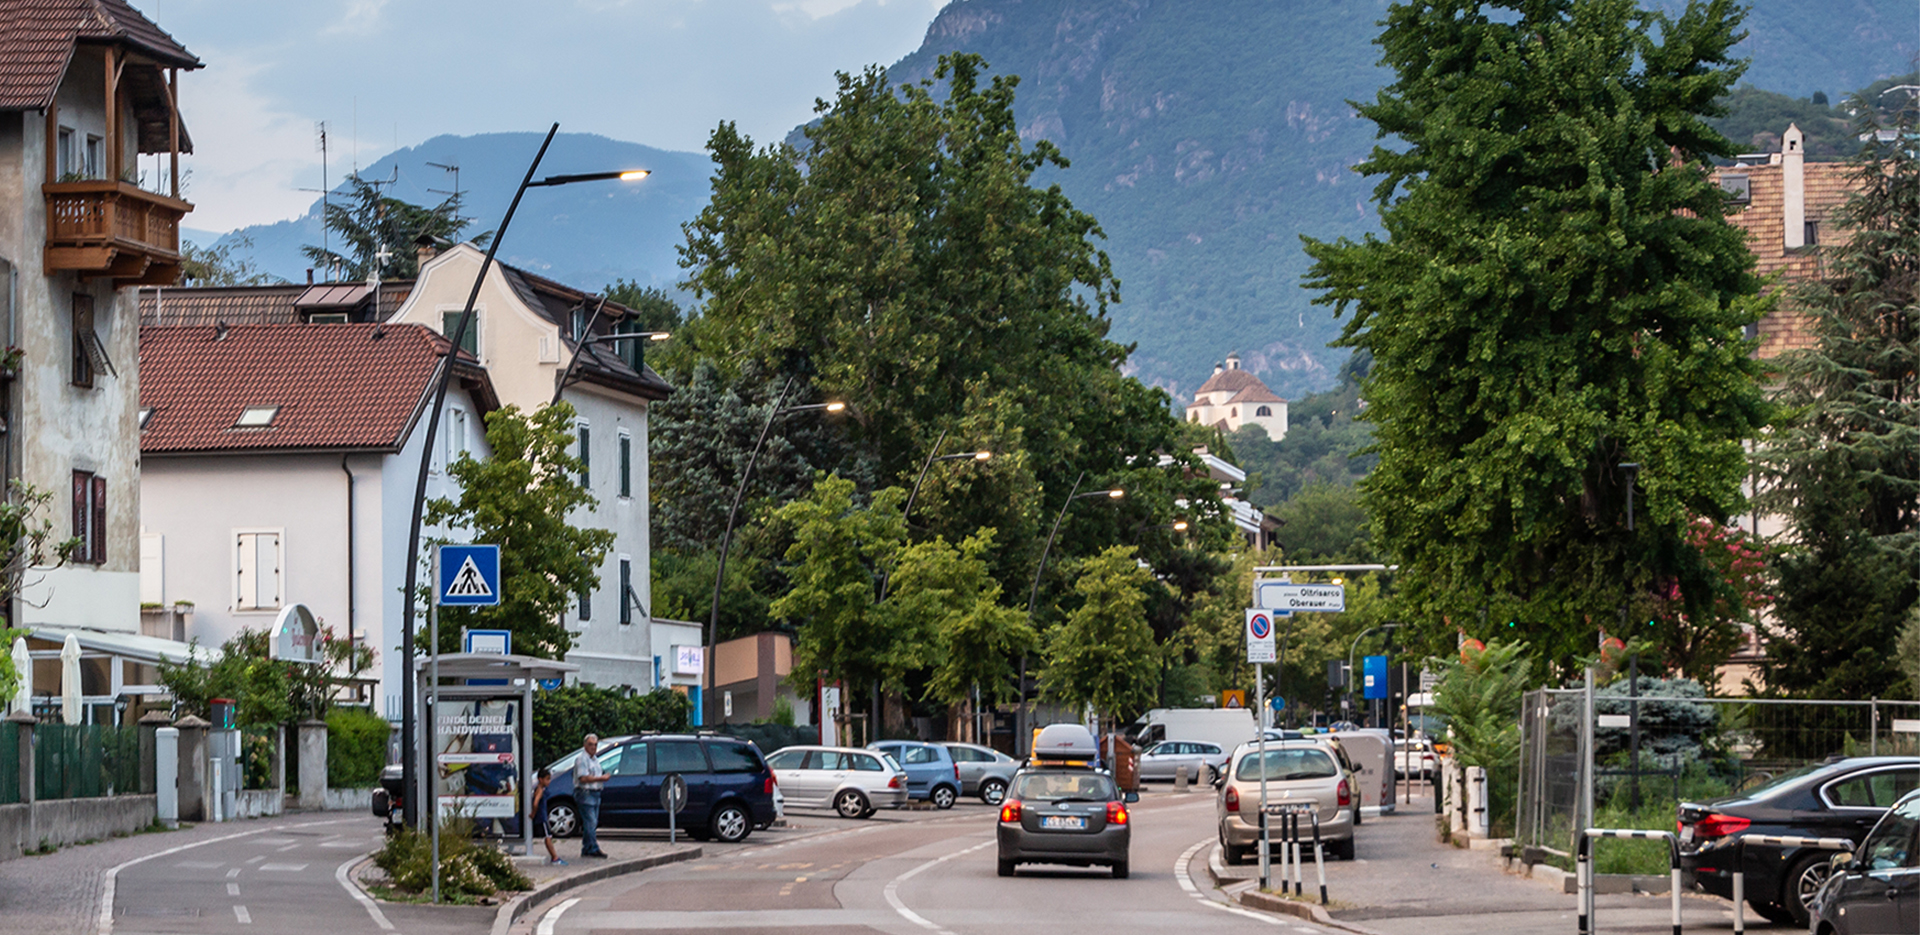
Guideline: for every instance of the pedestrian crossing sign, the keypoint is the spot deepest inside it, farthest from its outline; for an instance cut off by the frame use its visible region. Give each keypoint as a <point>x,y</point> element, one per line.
<point>469,576</point>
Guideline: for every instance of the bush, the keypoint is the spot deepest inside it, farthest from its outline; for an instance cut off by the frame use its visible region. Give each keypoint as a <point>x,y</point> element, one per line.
<point>468,868</point>
<point>356,747</point>
<point>562,716</point>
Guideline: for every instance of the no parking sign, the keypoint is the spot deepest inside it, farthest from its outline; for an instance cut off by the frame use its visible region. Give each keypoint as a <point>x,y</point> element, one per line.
<point>1260,636</point>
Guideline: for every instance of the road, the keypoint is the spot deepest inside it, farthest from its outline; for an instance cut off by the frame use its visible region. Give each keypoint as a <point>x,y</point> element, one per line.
<point>915,873</point>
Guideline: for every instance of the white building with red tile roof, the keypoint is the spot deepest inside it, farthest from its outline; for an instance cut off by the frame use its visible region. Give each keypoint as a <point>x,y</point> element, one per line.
<point>1232,397</point>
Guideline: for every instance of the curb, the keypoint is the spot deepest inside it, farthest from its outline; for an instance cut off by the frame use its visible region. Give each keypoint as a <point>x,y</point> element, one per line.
<point>511,910</point>
<point>1252,898</point>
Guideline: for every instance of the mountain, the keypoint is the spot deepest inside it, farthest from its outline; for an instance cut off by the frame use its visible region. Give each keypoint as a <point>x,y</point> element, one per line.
<point>1206,135</point>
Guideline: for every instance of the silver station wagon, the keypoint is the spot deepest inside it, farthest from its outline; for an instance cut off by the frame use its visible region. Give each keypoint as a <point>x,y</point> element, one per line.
<point>849,780</point>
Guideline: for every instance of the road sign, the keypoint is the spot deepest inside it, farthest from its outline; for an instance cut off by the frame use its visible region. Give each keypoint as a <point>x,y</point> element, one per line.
<point>1278,703</point>
<point>496,642</point>
<point>469,576</point>
<point>1374,675</point>
<point>1260,636</point>
<point>1302,598</point>
<point>673,792</point>
<point>1233,698</point>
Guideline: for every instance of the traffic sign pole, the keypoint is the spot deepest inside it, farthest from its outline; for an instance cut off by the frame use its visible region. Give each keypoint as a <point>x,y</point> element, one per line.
<point>432,779</point>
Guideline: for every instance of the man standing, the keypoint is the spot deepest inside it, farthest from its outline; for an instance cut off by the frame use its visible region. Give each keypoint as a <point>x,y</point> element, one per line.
<point>588,780</point>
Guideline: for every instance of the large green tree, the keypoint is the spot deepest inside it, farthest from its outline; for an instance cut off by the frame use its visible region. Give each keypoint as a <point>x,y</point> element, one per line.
<point>368,221</point>
<point>520,498</point>
<point>1104,654</point>
<point>1845,467</point>
<point>840,549</point>
<point>1556,295</point>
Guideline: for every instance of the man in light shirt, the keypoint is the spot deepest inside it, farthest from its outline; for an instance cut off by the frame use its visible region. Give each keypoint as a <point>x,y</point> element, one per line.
<point>588,780</point>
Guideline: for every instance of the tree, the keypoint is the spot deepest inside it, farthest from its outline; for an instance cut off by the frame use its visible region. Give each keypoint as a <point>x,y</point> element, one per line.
<point>1104,655</point>
<point>1843,468</point>
<point>520,499</point>
<point>1324,523</point>
<point>28,546</point>
<point>944,592</point>
<point>1557,295</point>
<point>840,549</point>
<point>217,265</point>
<point>265,690</point>
<point>369,222</point>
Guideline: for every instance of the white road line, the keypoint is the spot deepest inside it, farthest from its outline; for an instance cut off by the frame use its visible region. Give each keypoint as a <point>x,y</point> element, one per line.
<point>233,873</point>
<point>893,889</point>
<point>1180,873</point>
<point>282,868</point>
<point>366,902</point>
<point>233,889</point>
<point>553,915</point>
<point>241,915</point>
<point>255,859</point>
<point>108,879</point>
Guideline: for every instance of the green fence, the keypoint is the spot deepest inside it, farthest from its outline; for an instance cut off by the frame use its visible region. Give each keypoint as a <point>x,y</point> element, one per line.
<point>9,765</point>
<point>83,761</point>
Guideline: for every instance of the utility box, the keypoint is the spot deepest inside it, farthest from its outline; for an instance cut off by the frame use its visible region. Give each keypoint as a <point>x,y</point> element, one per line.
<point>1371,751</point>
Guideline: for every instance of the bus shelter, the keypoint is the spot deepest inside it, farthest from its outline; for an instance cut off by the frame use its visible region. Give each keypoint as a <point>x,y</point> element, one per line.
<point>477,758</point>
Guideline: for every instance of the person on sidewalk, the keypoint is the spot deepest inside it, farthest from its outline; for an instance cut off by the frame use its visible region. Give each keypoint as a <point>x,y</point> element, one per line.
<point>539,812</point>
<point>588,780</point>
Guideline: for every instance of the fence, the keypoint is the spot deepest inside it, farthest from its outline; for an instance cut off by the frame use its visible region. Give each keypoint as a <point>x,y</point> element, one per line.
<point>9,766</point>
<point>77,761</point>
<point>1641,755</point>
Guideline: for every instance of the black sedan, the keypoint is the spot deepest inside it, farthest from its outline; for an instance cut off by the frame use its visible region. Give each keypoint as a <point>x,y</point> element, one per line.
<point>1841,798</point>
<point>1877,889</point>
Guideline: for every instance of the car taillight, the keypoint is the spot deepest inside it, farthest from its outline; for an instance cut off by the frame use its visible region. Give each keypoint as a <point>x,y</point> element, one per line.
<point>894,783</point>
<point>1010,812</point>
<point>1343,796</point>
<point>769,788</point>
<point>1116,813</point>
<point>956,772</point>
<point>1719,826</point>
<point>1233,799</point>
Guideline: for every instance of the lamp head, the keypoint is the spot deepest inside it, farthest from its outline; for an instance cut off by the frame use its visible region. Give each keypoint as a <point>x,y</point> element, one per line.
<point>836,406</point>
<point>1116,493</point>
<point>660,336</point>
<point>1180,525</point>
<point>634,175</point>
<point>1339,580</point>
<point>982,455</point>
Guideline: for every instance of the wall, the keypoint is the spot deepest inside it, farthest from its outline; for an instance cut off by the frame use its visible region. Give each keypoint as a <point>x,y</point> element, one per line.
<point>60,822</point>
<point>608,652</point>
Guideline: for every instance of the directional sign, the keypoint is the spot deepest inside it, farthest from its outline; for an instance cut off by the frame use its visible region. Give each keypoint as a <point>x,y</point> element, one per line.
<point>498,642</point>
<point>1302,598</point>
<point>1373,672</point>
<point>1260,636</point>
<point>469,576</point>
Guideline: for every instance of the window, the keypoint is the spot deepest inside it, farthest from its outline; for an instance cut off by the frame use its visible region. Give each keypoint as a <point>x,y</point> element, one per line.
<point>1738,188</point>
<point>456,435</point>
<point>633,351</point>
<point>733,758</point>
<point>83,369</point>
<point>626,465</point>
<point>66,156</point>
<point>913,756</point>
<point>633,760</point>
<point>256,417</point>
<point>787,759</point>
<point>828,759</point>
<point>627,598</point>
<point>867,764</point>
<point>1812,231</point>
<point>1263,411</point>
<point>469,342</point>
<point>96,162</point>
<point>586,604</point>
<point>1879,789</point>
<point>586,456</point>
<point>146,415</point>
<point>327,318</point>
<point>90,517</point>
<point>579,323</point>
<point>256,571</point>
<point>678,756</point>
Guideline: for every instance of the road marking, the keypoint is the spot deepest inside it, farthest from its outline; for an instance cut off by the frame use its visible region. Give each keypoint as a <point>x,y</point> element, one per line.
<point>255,859</point>
<point>373,909</point>
<point>233,889</point>
<point>893,888</point>
<point>241,915</point>
<point>289,847</point>
<point>553,915</point>
<point>233,873</point>
<point>1181,873</point>
<point>282,868</point>
<point>199,864</point>
<point>108,879</point>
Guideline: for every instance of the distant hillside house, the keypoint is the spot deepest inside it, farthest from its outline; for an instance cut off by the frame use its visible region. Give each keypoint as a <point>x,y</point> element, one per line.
<point>1232,397</point>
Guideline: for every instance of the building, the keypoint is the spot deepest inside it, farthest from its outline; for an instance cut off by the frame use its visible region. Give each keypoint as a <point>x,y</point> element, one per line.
<point>1232,397</point>
<point>279,464</point>
<point>541,341</point>
<point>87,87</point>
<point>1254,525</point>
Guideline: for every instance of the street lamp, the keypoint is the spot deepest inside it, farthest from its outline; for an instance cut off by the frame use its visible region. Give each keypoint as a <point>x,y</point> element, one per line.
<point>410,778</point>
<point>1033,595</point>
<point>581,345</point>
<point>933,455</point>
<point>726,536</point>
<point>1383,628</point>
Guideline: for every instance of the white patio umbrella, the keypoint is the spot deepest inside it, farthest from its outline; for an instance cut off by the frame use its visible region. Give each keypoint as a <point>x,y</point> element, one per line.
<point>70,680</point>
<point>22,699</point>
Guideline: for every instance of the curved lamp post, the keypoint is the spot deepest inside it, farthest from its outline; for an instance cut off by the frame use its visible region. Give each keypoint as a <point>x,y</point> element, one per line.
<point>708,676</point>
<point>1033,595</point>
<point>1383,628</point>
<point>410,771</point>
<point>932,456</point>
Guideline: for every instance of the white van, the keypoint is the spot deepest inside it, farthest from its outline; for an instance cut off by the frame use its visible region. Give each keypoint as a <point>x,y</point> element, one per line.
<point>1226,727</point>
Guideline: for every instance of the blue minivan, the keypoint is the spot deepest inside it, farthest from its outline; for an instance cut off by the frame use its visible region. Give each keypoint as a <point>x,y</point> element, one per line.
<point>932,775</point>
<point>729,786</point>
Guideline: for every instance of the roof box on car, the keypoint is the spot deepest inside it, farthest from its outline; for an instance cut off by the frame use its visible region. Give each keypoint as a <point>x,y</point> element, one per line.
<point>1064,745</point>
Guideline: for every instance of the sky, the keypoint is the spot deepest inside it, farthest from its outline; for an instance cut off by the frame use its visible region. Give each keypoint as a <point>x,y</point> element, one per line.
<point>384,74</point>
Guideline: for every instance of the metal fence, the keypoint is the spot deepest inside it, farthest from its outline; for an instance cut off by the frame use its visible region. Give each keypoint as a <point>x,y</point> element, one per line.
<point>1631,759</point>
<point>75,761</point>
<point>9,767</point>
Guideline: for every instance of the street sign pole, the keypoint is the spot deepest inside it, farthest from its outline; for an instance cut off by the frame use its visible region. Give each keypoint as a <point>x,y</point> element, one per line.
<point>1259,635</point>
<point>471,579</point>
<point>432,779</point>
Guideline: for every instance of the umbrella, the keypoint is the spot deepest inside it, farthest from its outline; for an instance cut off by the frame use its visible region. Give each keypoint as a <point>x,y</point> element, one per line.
<point>70,680</point>
<point>23,665</point>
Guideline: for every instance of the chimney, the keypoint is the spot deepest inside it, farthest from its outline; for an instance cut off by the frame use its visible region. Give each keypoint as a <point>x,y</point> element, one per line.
<point>309,275</point>
<point>1793,187</point>
<point>422,252</point>
<point>1217,368</point>
<point>1233,361</point>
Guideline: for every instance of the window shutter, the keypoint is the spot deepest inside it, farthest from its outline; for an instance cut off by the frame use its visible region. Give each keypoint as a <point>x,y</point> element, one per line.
<point>99,520</point>
<point>246,570</point>
<point>81,528</point>
<point>269,564</point>
<point>626,590</point>
<point>586,457</point>
<point>626,465</point>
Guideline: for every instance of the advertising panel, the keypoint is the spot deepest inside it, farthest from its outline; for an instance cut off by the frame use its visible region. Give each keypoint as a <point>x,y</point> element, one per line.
<point>477,753</point>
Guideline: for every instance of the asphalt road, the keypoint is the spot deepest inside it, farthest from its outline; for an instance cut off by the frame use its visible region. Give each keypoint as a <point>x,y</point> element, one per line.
<point>914,873</point>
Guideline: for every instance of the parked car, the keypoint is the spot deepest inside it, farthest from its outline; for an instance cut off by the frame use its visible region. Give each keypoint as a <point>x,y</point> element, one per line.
<point>984,771</point>
<point>1414,757</point>
<point>1841,798</point>
<point>1877,889</point>
<point>729,787</point>
<point>849,780</point>
<point>1203,761</point>
<point>1299,774</point>
<point>932,775</point>
<point>1061,810</point>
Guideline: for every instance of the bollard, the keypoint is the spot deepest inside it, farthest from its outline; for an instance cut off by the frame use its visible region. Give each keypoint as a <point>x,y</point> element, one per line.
<point>1299,886</point>
<point>1319,859</point>
<point>166,775</point>
<point>1266,856</point>
<point>1583,885</point>
<point>1180,779</point>
<point>1584,861</point>
<point>1740,865</point>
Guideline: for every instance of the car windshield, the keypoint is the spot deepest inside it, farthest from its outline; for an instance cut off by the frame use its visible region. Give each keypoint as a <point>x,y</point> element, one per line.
<point>1095,787</point>
<point>1284,764</point>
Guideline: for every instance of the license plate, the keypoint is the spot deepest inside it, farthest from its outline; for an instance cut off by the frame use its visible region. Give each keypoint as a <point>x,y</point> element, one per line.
<point>1284,808</point>
<point>1063,823</point>
<point>1686,834</point>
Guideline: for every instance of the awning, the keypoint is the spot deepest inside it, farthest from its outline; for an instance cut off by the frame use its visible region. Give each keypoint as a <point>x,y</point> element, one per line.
<point>135,646</point>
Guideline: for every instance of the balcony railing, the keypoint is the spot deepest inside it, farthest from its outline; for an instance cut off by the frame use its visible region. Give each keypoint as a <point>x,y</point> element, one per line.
<point>111,228</point>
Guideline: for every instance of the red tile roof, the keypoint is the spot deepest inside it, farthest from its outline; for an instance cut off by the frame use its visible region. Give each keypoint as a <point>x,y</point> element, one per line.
<point>37,39</point>
<point>1827,185</point>
<point>355,386</point>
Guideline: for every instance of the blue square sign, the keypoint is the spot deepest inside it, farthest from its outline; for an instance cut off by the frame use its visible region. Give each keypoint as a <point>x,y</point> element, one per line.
<point>469,576</point>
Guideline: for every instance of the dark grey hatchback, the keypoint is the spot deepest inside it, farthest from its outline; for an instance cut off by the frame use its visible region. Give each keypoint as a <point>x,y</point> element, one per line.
<point>1065,815</point>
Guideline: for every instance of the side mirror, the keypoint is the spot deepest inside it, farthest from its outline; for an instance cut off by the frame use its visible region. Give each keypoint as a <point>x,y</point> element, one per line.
<point>1841,861</point>
<point>1132,797</point>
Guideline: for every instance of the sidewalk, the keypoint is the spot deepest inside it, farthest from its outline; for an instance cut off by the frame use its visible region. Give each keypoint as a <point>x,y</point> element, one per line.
<point>1406,882</point>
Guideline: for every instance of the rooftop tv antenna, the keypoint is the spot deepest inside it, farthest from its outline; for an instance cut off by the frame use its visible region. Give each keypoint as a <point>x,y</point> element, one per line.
<point>320,143</point>
<point>453,197</point>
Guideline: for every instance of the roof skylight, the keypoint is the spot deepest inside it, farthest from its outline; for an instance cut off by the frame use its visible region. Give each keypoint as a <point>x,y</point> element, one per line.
<point>256,417</point>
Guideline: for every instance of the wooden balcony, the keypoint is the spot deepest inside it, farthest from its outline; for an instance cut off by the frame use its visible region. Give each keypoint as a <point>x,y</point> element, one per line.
<point>105,228</point>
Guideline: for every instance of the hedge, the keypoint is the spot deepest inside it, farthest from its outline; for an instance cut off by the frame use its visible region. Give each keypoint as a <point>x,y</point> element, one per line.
<point>356,747</point>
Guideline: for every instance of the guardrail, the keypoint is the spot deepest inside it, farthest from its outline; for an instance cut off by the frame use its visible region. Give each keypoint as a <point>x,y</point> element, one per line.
<point>1583,865</point>
<point>1740,865</point>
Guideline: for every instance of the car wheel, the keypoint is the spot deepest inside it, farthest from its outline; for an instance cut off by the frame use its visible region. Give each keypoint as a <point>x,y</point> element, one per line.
<point>1232,855</point>
<point>1804,881</point>
<point>562,820</point>
<point>851,804</point>
<point>1342,850</point>
<point>730,824</point>
<point>993,792</point>
<point>1006,867</point>
<point>1120,870</point>
<point>942,797</point>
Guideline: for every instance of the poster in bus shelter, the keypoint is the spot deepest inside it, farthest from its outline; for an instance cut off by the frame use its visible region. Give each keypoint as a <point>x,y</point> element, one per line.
<point>477,752</point>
